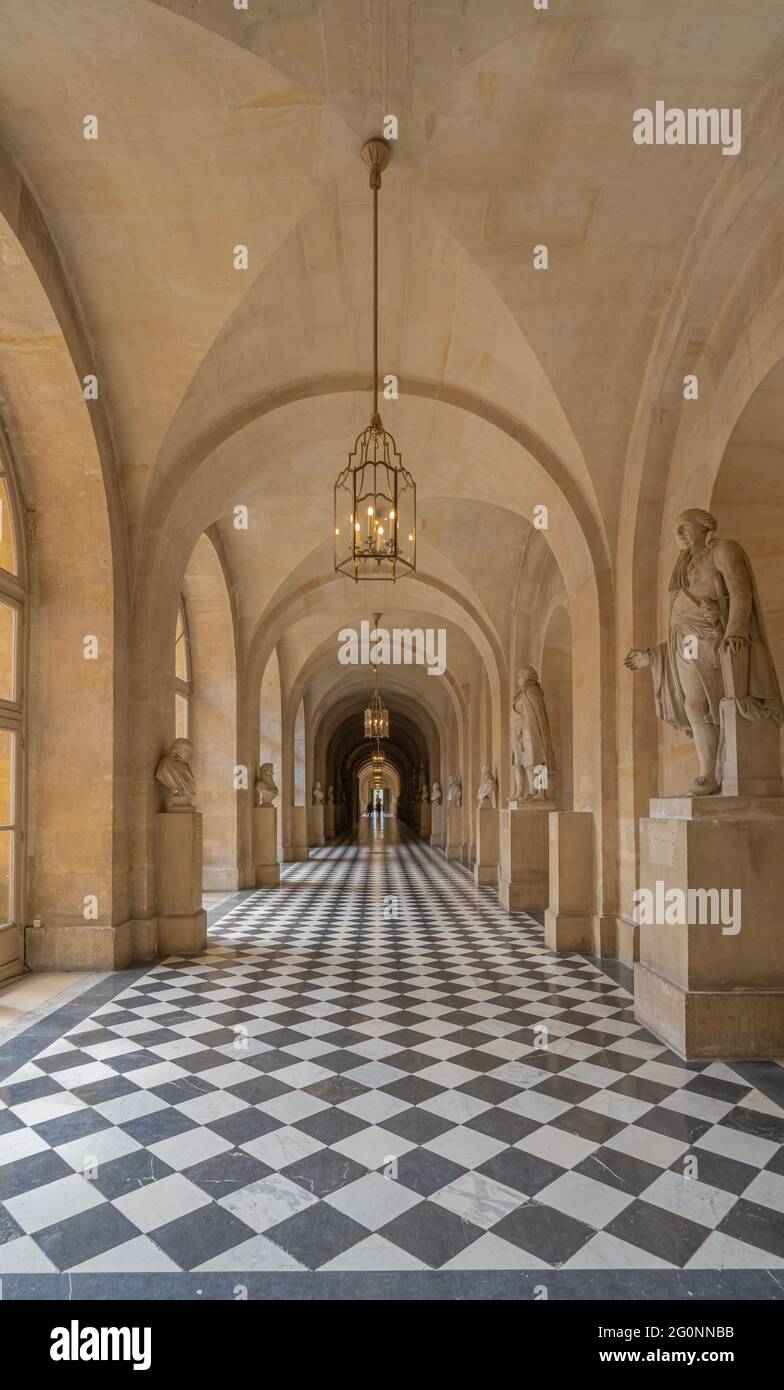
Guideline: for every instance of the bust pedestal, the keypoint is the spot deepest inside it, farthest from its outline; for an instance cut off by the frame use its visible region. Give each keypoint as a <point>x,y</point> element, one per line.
<point>568,921</point>
<point>182,922</point>
<point>424,820</point>
<point>708,985</point>
<point>437,825</point>
<point>329,820</point>
<point>487,846</point>
<point>265,846</point>
<point>454,832</point>
<point>316,831</point>
<point>524,878</point>
<point>299,832</point>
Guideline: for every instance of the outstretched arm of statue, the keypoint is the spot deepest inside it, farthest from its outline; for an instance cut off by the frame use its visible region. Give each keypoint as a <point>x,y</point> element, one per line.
<point>636,659</point>
<point>732,565</point>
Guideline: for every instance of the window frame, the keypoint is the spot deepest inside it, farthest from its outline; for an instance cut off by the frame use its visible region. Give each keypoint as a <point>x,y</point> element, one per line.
<point>183,687</point>
<point>14,590</point>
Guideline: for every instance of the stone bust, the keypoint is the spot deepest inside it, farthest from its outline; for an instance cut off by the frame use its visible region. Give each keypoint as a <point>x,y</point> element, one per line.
<point>532,745</point>
<point>435,795</point>
<point>454,792</point>
<point>330,795</point>
<point>716,649</point>
<point>175,773</point>
<point>266,791</point>
<point>488,789</point>
<point>318,794</point>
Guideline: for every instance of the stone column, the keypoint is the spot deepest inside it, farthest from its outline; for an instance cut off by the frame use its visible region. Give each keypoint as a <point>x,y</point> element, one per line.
<point>316,828</point>
<point>437,825</point>
<point>329,821</point>
<point>182,922</point>
<point>299,832</point>
<point>568,920</point>
<point>710,978</point>
<point>524,836</point>
<point>424,820</point>
<point>265,846</point>
<point>487,846</point>
<point>454,832</point>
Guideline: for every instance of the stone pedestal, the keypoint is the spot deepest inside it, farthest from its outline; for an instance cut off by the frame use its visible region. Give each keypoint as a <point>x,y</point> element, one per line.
<point>524,842</point>
<point>425,821</point>
<point>454,832</point>
<point>568,921</point>
<point>265,846</point>
<point>182,922</point>
<point>708,985</point>
<point>487,846</point>
<point>299,832</point>
<point>751,754</point>
<point>316,829</point>
<point>437,825</point>
<point>329,821</point>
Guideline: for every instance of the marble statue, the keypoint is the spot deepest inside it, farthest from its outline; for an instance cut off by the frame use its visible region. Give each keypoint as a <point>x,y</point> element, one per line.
<point>435,795</point>
<point>454,793</point>
<point>330,795</point>
<point>425,793</point>
<point>716,649</point>
<point>488,789</point>
<point>532,744</point>
<point>266,791</point>
<point>175,773</point>
<point>318,794</point>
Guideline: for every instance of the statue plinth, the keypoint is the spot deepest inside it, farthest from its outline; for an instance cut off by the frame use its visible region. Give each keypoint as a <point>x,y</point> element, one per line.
<point>710,978</point>
<point>437,825</point>
<point>524,877</point>
<point>316,825</point>
<point>487,846</point>
<point>265,846</point>
<point>182,922</point>
<point>569,919</point>
<point>298,848</point>
<point>330,812</point>
<point>454,832</point>
<point>425,819</point>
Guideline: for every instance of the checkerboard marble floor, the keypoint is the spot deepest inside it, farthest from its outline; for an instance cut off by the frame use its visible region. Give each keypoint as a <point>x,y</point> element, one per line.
<point>376,1067</point>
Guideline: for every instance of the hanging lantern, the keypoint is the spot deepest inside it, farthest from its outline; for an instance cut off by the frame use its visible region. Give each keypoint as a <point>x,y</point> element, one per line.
<point>376,715</point>
<point>377,760</point>
<point>375,496</point>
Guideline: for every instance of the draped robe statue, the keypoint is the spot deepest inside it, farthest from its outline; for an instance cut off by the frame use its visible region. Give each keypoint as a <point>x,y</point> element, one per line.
<point>488,789</point>
<point>717,648</point>
<point>532,744</point>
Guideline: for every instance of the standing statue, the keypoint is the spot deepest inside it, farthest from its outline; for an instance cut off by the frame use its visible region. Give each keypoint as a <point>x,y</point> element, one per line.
<point>717,648</point>
<point>454,793</point>
<point>435,795</point>
<point>265,788</point>
<point>318,794</point>
<point>533,758</point>
<point>175,773</point>
<point>488,789</point>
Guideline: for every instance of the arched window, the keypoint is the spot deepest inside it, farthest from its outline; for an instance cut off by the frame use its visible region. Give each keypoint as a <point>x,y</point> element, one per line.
<point>182,675</point>
<point>13,600</point>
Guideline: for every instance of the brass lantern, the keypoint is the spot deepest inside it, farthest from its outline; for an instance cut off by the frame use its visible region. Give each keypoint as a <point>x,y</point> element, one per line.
<point>376,715</point>
<point>375,496</point>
